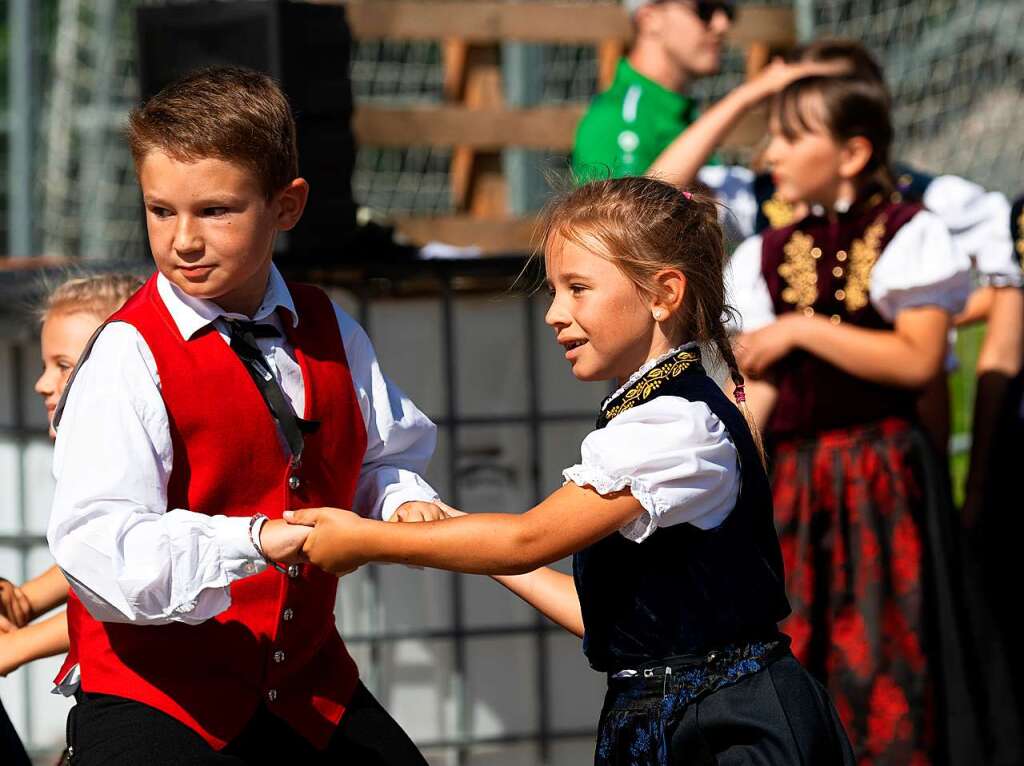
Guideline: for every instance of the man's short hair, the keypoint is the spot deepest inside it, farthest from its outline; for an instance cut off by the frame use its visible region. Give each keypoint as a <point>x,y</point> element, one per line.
<point>226,113</point>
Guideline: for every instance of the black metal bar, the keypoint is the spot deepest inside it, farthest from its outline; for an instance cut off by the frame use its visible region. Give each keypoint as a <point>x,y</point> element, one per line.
<point>506,739</point>
<point>432,634</point>
<point>18,381</point>
<point>536,482</point>
<point>462,717</point>
<point>373,573</point>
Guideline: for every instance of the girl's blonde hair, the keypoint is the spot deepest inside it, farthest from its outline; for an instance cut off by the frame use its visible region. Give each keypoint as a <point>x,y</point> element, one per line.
<point>99,294</point>
<point>643,226</point>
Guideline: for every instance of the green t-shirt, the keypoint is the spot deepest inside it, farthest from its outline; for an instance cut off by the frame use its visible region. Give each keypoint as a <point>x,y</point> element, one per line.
<point>628,126</point>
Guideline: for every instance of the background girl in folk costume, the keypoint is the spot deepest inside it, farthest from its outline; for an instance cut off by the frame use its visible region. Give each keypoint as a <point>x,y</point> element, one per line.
<point>678,574</point>
<point>845,317</point>
<point>70,315</point>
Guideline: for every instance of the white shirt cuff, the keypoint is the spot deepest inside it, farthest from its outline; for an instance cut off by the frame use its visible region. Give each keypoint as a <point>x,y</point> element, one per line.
<point>396,494</point>
<point>238,555</point>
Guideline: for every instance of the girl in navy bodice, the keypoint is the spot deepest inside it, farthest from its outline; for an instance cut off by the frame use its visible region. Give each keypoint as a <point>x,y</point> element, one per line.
<point>678,584</point>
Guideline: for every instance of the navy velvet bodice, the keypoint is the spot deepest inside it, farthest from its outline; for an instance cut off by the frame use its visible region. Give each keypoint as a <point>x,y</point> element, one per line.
<point>684,590</point>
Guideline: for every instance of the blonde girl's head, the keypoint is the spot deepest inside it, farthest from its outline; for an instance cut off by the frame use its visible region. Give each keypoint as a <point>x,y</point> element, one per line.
<point>69,316</point>
<point>666,242</point>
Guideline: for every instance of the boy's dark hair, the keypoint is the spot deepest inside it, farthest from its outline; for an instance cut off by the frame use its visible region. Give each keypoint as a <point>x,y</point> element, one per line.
<point>226,113</point>
<point>849,106</point>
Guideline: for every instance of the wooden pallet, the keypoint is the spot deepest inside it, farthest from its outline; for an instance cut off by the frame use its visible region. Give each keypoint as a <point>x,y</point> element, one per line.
<point>474,119</point>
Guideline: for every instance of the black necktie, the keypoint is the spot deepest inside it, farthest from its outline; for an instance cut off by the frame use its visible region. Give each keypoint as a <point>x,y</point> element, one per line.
<point>243,342</point>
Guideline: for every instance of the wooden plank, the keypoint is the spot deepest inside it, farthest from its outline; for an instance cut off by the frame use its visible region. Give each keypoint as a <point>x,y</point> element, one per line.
<point>549,127</point>
<point>539,22</point>
<point>514,235</point>
<point>487,22</point>
<point>609,52</point>
<point>546,127</point>
<point>34,263</point>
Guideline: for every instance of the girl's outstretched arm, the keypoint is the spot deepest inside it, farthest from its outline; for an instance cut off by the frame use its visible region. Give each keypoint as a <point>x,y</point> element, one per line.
<point>548,591</point>
<point>48,590</point>
<point>40,639</point>
<point>570,519</point>
<point>551,593</point>
<point>909,355</point>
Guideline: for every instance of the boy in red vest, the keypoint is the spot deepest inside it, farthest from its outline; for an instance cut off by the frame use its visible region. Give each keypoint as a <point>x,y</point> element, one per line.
<point>216,398</point>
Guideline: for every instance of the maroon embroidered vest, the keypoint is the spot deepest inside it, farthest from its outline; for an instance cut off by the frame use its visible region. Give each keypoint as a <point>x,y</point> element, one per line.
<point>823,267</point>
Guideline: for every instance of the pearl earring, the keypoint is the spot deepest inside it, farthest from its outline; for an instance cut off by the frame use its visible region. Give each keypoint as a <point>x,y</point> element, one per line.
<point>659,315</point>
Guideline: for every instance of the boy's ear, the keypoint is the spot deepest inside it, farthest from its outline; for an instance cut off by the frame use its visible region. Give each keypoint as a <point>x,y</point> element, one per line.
<point>291,201</point>
<point>856,154</point>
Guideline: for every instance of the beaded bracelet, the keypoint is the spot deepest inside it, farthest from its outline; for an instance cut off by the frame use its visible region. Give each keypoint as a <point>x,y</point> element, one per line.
<point>255,527</point>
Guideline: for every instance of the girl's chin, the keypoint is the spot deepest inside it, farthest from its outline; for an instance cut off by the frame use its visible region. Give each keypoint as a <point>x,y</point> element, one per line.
<point>582,373</point>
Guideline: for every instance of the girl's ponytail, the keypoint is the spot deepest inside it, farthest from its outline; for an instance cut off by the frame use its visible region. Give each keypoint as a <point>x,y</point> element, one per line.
<point>721,341</point>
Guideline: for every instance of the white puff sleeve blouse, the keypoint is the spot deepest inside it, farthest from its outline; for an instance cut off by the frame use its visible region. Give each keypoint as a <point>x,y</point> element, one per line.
<point>676,458</point>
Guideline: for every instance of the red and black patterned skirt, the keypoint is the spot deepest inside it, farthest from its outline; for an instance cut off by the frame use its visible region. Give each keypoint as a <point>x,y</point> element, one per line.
<point>871,587</point>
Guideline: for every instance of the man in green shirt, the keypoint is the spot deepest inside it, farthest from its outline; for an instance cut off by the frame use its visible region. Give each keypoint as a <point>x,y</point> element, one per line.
<point>645,123</point>
<point>629,125</point>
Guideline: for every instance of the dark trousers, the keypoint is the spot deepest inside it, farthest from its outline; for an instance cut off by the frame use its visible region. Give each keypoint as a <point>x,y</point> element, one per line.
<point>12,752</point>
<point>103,729</point>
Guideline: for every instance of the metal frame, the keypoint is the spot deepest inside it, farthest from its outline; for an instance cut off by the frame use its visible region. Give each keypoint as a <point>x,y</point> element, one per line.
<point>445,274</point>
<point>445,280</point>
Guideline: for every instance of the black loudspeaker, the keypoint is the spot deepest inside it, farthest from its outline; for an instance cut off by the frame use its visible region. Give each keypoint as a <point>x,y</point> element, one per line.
<point>306,48</point>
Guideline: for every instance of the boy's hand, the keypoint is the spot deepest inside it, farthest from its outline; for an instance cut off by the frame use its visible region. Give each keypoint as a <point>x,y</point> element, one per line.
<point>15,609</point>
<point>418,510</point>
<point>282,541</point>
<point>335,540</point>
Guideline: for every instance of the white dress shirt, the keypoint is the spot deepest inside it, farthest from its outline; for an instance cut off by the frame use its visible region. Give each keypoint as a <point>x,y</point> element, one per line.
<point>131,559</point>
<point>978,221</point>
<point>673,455</point>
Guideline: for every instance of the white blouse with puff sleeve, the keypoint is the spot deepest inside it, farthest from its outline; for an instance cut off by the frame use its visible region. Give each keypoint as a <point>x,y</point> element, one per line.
<point>676,458</point>
<point>919,267</point>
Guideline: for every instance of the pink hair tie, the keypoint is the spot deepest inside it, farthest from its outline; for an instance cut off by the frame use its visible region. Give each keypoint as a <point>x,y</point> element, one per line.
<point>688,195</point>
<point>740,394</point>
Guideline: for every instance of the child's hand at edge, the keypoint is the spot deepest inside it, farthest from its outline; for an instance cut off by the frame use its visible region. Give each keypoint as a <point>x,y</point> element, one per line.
<point>333,542</point>
<point>417,510</point>
<point>15,609</point>
<point>283,542</point>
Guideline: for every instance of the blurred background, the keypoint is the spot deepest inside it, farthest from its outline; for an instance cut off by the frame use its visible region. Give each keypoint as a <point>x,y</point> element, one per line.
<point>474,676</point>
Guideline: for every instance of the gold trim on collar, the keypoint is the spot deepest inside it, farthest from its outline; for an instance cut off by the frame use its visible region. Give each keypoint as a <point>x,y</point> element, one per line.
<point>779,213</point>
<point>641,391</point>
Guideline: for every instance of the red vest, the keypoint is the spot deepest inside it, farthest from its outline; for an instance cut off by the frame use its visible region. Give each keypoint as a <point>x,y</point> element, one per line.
<point>277,643</point>
<point>824,267</point>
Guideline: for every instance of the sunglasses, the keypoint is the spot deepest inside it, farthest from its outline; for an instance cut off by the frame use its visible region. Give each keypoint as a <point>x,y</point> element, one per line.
<point>706,9</point>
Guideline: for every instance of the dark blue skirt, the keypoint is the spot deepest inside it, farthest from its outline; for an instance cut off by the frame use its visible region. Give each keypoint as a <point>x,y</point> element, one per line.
<point>746,704</point>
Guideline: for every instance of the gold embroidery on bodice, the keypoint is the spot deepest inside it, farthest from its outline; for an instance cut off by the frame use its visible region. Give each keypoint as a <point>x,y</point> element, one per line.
<point>799,268</point>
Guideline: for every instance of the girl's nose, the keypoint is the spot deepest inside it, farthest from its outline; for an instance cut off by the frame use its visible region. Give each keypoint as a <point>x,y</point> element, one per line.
<point>555,316</point>
<point>44,385</point>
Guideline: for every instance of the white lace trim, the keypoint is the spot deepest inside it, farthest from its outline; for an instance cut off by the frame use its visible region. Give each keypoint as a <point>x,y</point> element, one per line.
<point>640,528</point>
<point>647,366</point>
